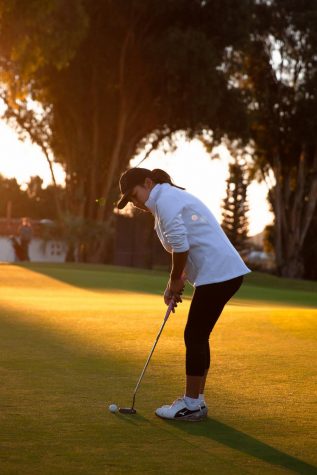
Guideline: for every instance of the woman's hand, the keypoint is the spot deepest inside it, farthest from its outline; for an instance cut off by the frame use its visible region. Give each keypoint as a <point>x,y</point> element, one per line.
<point>167,296</point>
<point>174,291</point>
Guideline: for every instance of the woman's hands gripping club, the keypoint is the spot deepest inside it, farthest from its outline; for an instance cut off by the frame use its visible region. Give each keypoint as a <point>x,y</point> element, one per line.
<point>176,283</point>
<point>173,291</point>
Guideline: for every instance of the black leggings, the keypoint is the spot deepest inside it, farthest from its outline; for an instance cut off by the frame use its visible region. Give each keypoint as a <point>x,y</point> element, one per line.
<point>205,309</point>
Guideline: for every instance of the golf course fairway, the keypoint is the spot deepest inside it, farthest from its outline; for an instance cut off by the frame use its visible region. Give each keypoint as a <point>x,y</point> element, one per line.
<point>74,339</point>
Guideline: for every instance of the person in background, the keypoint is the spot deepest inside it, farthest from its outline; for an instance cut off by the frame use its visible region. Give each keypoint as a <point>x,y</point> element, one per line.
<point>201,254</point>
<point>25,234</point>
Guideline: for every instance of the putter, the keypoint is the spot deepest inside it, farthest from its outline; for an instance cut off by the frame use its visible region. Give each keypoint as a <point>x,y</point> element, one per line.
<point>131,410</point>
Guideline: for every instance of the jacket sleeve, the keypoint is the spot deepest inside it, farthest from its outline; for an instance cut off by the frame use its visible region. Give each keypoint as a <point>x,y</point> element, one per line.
<point>172,225</point>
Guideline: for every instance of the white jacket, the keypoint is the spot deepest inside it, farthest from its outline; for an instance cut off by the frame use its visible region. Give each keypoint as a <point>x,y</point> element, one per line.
<point>184,223</point>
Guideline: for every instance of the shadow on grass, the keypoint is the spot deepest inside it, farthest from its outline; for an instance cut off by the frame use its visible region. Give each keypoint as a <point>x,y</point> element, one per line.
<point>237,440</point>
<point>133,419</point>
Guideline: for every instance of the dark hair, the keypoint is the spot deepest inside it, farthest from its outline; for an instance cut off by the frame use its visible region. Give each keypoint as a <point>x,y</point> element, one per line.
<point>160,176</point>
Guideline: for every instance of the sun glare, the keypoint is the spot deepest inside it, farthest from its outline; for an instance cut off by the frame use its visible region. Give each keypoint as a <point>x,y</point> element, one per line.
<point>21,160</point>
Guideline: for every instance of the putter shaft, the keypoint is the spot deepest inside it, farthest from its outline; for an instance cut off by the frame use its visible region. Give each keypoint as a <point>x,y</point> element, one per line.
<point>169,309</point>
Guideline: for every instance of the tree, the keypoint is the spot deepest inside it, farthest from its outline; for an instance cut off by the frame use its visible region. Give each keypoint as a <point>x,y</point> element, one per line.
<point>132,74</point>
<point>35,202</point>
<point>277,72</point>
<point>235,205</point>
<point>310,251</point>
<point>11,196</point>
<point>268,238</point>
<point>36,34</point>
<point>41,201</point>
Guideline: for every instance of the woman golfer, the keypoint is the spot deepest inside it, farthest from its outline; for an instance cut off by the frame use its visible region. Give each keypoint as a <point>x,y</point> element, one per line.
<point>201,254</point>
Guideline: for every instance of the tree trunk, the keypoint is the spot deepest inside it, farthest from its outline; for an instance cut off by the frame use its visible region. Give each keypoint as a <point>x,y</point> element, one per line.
<point>279,218</point>
<point>293,268</point>
<point>122,119</point>
<point>97,250</point>
<point>294,210</point>
<point>93,166</point>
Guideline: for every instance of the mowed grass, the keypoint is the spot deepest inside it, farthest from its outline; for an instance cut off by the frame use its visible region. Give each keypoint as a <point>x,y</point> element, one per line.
<point>74,339</point>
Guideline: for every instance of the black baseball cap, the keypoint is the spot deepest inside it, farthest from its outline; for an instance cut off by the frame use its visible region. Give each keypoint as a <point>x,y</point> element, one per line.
<point>130,179</point>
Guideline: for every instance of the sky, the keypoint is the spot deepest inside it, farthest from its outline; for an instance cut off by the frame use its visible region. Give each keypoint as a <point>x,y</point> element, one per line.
<point>190,166</point>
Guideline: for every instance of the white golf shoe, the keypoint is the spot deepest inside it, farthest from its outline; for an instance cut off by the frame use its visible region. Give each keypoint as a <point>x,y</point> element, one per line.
<point>181,412</point>
<point>203,406</point>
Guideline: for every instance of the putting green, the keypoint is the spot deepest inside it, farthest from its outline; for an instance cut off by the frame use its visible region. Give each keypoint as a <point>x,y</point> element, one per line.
<point>75,338</point>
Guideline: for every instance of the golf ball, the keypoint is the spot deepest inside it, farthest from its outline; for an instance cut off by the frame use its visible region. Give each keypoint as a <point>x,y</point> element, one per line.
<point>113,408</point>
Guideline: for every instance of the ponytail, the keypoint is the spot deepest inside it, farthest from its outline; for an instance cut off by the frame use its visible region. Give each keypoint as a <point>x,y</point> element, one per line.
<point>160,176</point>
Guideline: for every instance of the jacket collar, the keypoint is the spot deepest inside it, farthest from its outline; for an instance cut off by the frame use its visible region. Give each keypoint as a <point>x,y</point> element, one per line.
<point>154,195</point>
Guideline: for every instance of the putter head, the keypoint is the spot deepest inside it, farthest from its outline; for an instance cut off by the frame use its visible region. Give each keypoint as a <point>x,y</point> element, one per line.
<point>127,410</point>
